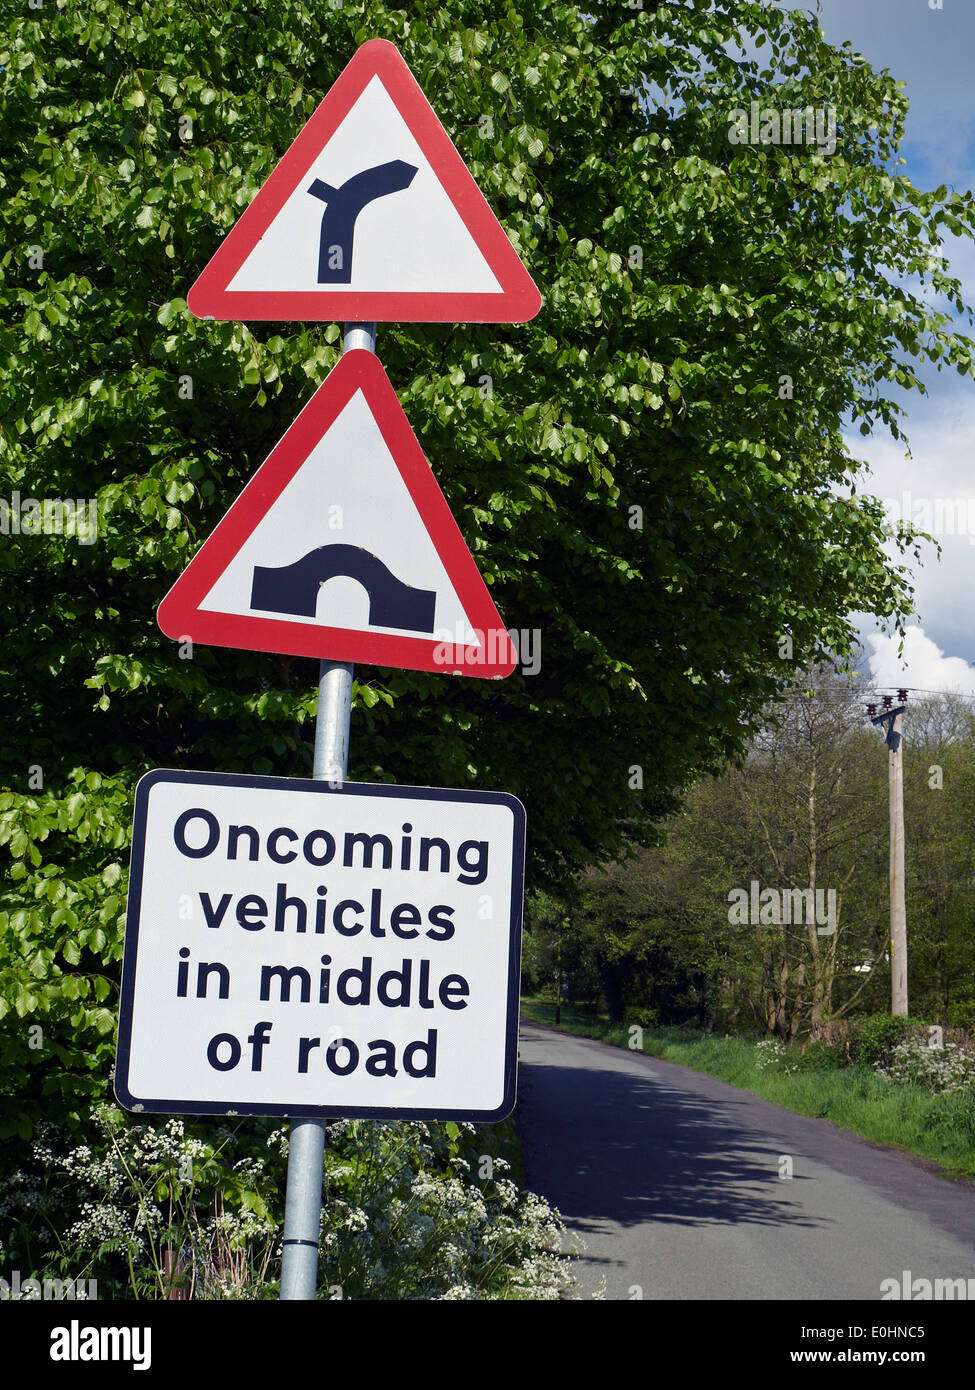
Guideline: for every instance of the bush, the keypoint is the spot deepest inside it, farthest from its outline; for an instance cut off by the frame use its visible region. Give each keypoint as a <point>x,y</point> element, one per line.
<point>419,1213</point>
<point>961,1014</point>
<point>945,1069</point>
<point>151,1210</point>
<point>771,1055</point>
<point>873,1040</point>
<point>821,1055</point>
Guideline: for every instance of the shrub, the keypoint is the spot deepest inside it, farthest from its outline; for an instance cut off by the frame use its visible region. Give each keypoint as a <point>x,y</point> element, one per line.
<point>820,1055</point>
<point>419,1213</point>
<point>943,1069</point>
<point>148,1209</point>
<point>151,1210</point>
<point>873,1039</point>
<point>772,1055</point>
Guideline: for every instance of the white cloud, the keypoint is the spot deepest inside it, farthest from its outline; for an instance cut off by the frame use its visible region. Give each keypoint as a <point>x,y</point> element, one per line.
<point>922,665</point>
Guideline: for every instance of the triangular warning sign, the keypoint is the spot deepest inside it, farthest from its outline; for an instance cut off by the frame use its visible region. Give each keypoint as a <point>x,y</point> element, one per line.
<point>342,546</point>
<point>371,215</point>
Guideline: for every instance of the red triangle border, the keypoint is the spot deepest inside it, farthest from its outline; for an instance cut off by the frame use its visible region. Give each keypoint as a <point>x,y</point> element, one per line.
<point>519,300</point>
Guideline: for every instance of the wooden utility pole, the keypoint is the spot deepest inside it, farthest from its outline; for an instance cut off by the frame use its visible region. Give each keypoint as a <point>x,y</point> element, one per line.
<point>898,914</point>
<point>890,718</point>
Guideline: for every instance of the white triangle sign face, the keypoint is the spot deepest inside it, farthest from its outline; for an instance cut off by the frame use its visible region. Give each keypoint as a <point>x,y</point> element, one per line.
<point>371,215</point>
<point>343,547</point>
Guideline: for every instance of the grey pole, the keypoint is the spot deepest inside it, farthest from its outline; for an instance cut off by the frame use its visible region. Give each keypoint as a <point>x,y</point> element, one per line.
<point>306,1151</point>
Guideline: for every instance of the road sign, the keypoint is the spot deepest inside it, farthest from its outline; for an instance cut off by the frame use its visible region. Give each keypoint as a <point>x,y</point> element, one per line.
<point>342,546</point>
<point>297,948</point>
<point>370,215</point>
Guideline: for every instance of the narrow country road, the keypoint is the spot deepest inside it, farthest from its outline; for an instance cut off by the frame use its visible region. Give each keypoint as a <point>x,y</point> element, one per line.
<point>671,1178</point>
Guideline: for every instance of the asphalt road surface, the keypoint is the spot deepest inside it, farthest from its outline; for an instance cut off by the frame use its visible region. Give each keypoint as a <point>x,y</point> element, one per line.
<point>671,1178</point>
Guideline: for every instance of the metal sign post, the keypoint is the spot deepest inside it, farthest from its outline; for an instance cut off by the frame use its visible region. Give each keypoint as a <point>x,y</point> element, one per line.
<point>306,1151</point>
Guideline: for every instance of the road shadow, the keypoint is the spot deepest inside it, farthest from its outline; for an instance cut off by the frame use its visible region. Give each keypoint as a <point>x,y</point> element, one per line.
<point>605,1145</point>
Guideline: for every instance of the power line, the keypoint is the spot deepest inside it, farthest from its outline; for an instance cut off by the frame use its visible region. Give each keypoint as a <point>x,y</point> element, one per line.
<point>955,694</point>
<point>861,693</point>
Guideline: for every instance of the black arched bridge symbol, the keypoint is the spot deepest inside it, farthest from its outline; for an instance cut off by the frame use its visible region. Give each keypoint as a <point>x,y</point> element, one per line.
<point>294,588</point>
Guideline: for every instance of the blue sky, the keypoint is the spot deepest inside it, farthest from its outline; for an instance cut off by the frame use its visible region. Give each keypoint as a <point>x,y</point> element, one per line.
<point>933,51</point>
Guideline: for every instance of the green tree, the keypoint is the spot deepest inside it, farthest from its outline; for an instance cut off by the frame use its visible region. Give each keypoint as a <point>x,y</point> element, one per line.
<point>809,821</point>
<point>939,803</point>
<point>806,809</point>
<point>641,485</point>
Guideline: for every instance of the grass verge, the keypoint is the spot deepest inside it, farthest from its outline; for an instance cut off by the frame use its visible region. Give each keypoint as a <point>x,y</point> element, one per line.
<point>915,1120</point>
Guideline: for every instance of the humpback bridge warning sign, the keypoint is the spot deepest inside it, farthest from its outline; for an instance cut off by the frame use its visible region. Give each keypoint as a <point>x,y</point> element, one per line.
<point>343,546</point>
<point>296,948</point>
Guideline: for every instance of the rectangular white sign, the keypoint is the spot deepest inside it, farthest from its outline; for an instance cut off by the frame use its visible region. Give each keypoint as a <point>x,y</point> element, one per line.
<point>297,948</point>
